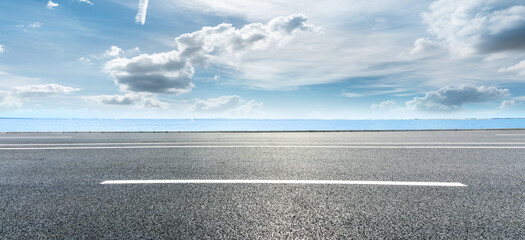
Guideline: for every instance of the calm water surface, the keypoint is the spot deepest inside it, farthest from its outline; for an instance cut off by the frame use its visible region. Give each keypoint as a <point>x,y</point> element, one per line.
<point>67,125</point>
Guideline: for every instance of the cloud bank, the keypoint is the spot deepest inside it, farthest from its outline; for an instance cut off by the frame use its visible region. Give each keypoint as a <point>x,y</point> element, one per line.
<point>142,9</point>
<point>452,98</point>
<point>172,72</point>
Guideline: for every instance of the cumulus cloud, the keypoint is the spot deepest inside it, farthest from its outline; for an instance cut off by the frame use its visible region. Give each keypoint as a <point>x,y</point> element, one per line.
<point>1,49</point>
<point>222,104</point>
<point>142,9</point>
<point>518,68</point>
<point>172,72</point>
<point>136,99</point>
<point>86,1</point>
<point>481,26</point>
<point>452,98</point>
<point>51,5</point>
<point>508,104</point>
<point>114,51</point>
<point>156,73</point>
<point>384,104</point>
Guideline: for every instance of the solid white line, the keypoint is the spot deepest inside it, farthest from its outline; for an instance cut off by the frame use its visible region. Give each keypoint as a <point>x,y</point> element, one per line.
<point>342,143</point>
<point>330,182</point>
<point>511,134</point>
<point>266,146</point>
<point>38,137</point>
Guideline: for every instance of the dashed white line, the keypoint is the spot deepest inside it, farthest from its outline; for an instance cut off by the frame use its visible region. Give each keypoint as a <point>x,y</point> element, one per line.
<point>324,182</point>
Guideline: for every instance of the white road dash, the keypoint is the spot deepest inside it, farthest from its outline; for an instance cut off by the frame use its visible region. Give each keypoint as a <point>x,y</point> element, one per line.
<point>324,182</point>
<point>263,146</point>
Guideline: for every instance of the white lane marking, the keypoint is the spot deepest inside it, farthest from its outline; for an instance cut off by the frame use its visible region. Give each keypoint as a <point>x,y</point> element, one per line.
<point>511,134</point>
<point>266,146</point>
<point>35,137</point>
<point>331,182</point>
<point>342,143</point>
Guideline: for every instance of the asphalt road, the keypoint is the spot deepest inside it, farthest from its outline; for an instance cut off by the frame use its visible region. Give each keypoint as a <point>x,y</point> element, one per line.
<point>50,185</point>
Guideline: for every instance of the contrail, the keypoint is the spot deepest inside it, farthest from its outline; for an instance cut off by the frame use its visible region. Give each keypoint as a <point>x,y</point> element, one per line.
<point>141,12</point>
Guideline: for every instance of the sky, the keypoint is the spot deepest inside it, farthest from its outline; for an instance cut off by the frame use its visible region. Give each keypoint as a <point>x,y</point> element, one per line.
<point>307,59</point>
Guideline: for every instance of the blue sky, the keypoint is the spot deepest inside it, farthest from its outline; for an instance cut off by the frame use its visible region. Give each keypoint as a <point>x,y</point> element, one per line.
<point>336,59</point>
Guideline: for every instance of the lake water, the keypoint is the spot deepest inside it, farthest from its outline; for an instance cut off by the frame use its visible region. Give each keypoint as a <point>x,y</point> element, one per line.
<point>67,125</point>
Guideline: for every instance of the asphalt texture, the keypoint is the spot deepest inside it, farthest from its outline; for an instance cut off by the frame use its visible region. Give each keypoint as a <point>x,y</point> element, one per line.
<point>50,185</point>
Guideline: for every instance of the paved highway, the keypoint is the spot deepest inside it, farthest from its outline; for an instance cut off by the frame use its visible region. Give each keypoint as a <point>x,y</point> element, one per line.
<point>371,185</point>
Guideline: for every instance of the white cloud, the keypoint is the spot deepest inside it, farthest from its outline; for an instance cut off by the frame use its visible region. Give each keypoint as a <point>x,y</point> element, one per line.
<point>1,49</point>
<point>256,10</point>
<point>172,72</point>
<point>44,89</point>
<point>384,104</point>
<point>521,98</point>
<point>358,38</point>
<point>20,94</point>
<point>136,99</point>
<point>518,68</point>
<point>352,95</point>
<point>35,25</point>
<point>452,98</point>
<point>51,5</point>
<point>142,9</point>
<point>9,81</point>
<point>84,59</point>
<point>425,46</point>
<point>86,1</point>
<point>228,104</point>
<point>477,26</point>
<point>156,73</point>
<point>7,100</point>
<point>374,90</point>
<point>114,51</point>
<point>508,104</point>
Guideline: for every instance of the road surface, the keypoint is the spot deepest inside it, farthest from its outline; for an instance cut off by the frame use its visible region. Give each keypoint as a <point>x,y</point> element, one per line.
<point>371,185</point>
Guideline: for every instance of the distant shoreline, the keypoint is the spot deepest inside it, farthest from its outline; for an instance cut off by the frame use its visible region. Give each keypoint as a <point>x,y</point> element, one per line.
<point>262,119</point>
<point>251,125</point>
<point>273,131</point>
